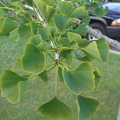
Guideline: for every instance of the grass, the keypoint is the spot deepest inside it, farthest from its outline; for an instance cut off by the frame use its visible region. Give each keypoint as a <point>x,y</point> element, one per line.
<point>39,92</point>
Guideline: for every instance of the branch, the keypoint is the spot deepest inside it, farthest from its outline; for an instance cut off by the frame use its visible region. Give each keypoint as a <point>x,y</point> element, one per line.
<point>111,42</point>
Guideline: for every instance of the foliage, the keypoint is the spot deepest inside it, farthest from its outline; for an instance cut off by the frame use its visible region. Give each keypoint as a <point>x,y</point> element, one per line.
<point>58,38</point>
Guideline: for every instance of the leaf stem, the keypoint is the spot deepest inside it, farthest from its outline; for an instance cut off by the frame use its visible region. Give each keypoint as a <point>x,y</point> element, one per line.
<point>7,8</point>
<point>56,76</point>
<point>51,68</point>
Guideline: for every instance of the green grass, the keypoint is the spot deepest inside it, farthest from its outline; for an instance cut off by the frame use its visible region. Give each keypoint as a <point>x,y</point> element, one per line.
<point>39,92</point>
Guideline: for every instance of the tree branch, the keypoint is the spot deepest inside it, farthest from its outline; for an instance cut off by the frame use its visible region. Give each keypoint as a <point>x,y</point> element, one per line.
<point>111,42</point>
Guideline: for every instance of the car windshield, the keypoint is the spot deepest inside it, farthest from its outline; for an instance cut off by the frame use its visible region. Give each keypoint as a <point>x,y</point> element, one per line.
<point>112,6</point>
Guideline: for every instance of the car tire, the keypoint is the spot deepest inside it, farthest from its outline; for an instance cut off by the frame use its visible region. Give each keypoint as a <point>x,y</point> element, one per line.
<point>99,27</point>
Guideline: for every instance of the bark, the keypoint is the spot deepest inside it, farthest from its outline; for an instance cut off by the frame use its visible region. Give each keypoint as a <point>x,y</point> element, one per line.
<point>113,43</point>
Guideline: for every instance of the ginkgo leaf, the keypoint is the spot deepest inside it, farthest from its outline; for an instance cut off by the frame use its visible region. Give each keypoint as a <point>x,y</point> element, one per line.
<point>12,86</point>
<point>36,39</point>
<point>17,68</point>
<point>81,79</point>
<point>76,37</point>
<point>65,7</point>
<point>29,2</point>
<point>97,78</point>
<point>44,32</point>
<point>87,106</point>
<point>33,60</point>
<point>92,50</point>
<point>60,21</point>
<point>43,76</point>
<point>24,31</point>
<point>60,76</point>
<point>81,29</point>
<point>7,26</point>
<point>79,12</point>
<point>56,110</point>
<point>45,10</point>
<point>103,49</point>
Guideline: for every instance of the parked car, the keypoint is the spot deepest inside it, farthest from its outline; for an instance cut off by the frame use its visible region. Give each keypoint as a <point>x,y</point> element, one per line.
<point>109,25</point>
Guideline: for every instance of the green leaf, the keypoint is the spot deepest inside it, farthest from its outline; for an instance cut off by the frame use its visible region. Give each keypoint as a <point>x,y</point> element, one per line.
<point>56,110</point>
<point>17,68</point>
<point>34,27</point>
<point>41,47</point>
<point>81,79</point>
<point>12,86</point>
<point>60,21</point>
<point>60,74</point>
<point>29,2</point>
<point>2,13</point>
<point>97,78</point>
<point>87,107</point>
<point>79,12</point>
<point>14,34</point>
<point>103,49</point>
<point>24,31</point>
<point>7,26</point>
<point>43,76</point>
<point>45,10</point>
<point>92,50</point>
<point>76,37</point>
<point>65,7</point>
<point>33,60</point>
<point>100,11</point>
<point>81,29</point>
<point>45,32</point>
<point>67,55</point>
<point>73,45</point>
<point>36,39</point>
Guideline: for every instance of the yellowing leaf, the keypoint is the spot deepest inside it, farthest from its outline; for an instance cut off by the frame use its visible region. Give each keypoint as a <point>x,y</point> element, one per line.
<point>33,60</point>
<point>81,79</point>
<point>12,86</point>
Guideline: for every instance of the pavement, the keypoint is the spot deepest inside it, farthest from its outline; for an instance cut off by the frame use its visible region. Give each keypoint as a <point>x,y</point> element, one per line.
<point>113,50</point>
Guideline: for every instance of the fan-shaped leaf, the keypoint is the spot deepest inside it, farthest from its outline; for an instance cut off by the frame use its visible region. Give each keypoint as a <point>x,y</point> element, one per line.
<point>33,60</point>
<point>12,86</point>
<point>92,50</point>
<point>7,26</point>
<point>29,2</point>
<point>60,21</point>
<point>103,49</point>
<point>81,29</point>
<point>24,31</point>
<point>87,107</point>
<point>79,12</point>
<point>56,110</point>
<point>36,39</point>
<point>44,32</point>
<point>97,78</point>
<point>43,76</point>
<point>45,10</point>
<point>17,68</point>
<point>81,79</point>
<point>65,7</point>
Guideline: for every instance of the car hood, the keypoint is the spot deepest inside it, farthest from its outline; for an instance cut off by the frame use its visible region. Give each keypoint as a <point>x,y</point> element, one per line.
<point>113,14</point>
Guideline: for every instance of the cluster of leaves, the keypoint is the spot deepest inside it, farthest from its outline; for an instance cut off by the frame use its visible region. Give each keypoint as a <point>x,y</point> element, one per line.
<point>59,38</point>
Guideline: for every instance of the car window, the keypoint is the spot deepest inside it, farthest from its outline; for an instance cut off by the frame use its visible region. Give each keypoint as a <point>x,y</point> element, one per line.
<point>113,6</point>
